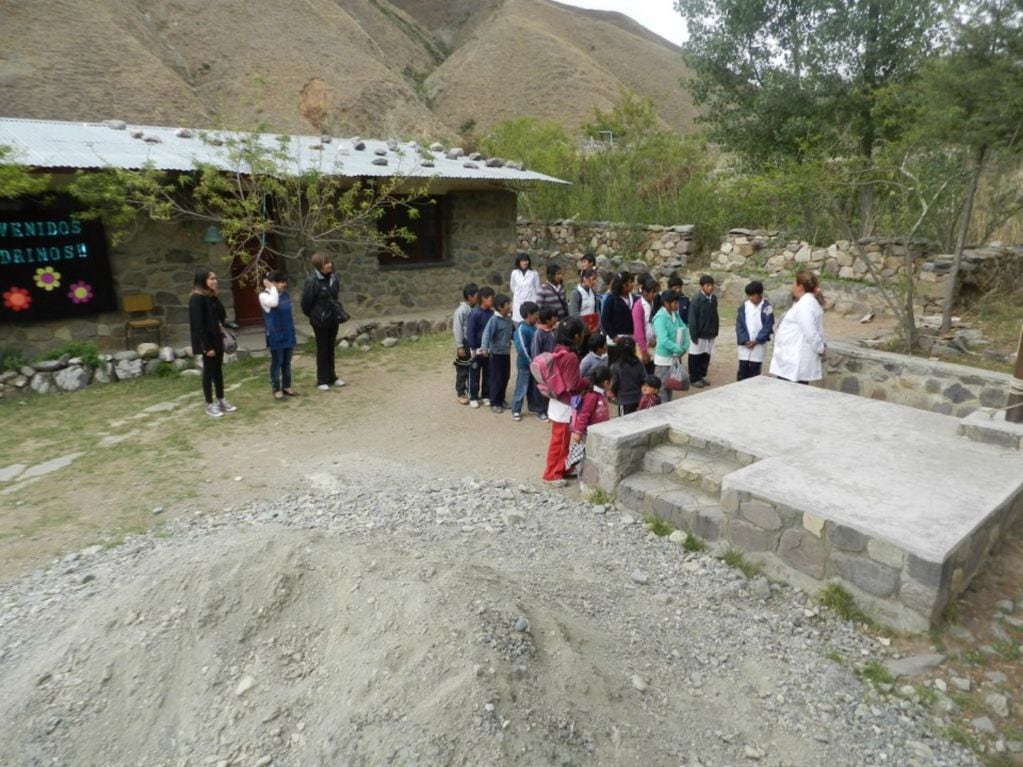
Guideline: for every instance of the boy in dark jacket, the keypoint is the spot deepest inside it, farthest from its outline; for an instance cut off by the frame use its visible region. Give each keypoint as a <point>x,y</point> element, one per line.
<point>474,327</point>
<point>754,324</point>
<point>703,329</point>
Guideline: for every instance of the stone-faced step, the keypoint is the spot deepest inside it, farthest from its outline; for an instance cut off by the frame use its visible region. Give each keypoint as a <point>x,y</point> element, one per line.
<point>685,507</point>
<point>662,459</point>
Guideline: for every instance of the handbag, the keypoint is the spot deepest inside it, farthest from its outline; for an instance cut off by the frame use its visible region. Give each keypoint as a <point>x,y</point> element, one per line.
<point>342,315</point>
<point>678,377</point>
<point>230,340</point>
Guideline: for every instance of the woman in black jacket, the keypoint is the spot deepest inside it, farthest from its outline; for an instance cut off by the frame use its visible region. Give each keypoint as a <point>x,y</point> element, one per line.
<point>616,314</point>
<point>205,317</point>
<point>320,304</point>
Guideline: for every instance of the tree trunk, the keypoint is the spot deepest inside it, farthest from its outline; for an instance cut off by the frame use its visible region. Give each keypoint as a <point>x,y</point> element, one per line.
<point>909,317</point>
<point>1015,412</point>
<point>951,286</point>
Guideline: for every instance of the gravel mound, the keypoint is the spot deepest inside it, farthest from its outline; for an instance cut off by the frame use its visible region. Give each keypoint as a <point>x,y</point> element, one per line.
<point>432,622</point>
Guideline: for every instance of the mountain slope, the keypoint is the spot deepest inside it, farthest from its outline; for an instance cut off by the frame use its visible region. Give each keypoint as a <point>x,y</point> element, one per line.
<point>402,68</point>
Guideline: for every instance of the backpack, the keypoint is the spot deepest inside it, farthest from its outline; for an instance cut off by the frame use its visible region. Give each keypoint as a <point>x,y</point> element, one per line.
<point>549,380</point>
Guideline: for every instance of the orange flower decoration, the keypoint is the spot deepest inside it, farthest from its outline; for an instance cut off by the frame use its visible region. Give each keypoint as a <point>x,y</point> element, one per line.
<point>17,299</point>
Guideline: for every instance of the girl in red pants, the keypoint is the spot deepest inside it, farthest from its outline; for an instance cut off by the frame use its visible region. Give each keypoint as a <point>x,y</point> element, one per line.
<point>569,338</point>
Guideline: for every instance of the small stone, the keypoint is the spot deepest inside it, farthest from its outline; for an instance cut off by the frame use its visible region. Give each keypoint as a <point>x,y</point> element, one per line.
<point>264,760</point>
<point>761,588</point>
<point>996,677</point>
<point>662,599</point>
<point>638,576</point>
<point>639,683</point>
<point>158,510</point>
<point>244,685</point>
<point>522,624</point>
<point>914,665</point>
<point>753,753</point>
<point>961,683</point>
<point>939,684</point>
<point>678,537</point>
<point>628,519</point>
<point>1005,605</point>
<point>983,724</point>
<point>998,703</point>
<point>389,342</point>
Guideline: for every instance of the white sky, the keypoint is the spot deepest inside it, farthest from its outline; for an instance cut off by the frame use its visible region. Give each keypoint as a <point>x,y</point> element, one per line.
<point>656,15</point>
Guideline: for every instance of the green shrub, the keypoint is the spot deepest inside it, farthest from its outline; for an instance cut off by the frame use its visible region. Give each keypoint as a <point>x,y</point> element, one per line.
<point>692,543</point>
<point>12,359</point>
<point>841,602</point>
<point>735,559</point>
<point>658,526</point>
<point>86,351</point>
<point>165,370</point>
<point>874,672</point>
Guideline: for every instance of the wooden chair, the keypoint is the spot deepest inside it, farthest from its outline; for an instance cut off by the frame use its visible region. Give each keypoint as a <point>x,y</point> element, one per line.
<point>137,306</point>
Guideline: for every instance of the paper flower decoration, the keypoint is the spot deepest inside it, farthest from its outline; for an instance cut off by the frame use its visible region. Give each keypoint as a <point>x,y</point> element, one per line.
<point>17,299</point>
<point>80,292</point>
<point>47,279</point>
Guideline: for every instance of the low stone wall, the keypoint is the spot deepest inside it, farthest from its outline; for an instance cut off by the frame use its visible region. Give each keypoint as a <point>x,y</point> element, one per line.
<point>940,387</point>
<point>662,249</point>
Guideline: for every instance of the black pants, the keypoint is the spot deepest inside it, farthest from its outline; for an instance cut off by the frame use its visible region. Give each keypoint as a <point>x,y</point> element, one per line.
<point>213,376</point>
<point>326,339</point>
<point>462,375</point>
<point>748,369</point>
<point>499,373</point>
<point>699,364</point>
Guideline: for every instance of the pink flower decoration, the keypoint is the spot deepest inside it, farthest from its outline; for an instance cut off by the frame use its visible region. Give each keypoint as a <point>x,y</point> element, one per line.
<point>80,292</point>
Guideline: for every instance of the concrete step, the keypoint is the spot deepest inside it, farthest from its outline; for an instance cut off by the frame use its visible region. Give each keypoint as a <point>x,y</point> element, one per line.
<point>664,496</point>
<point>698,467</point>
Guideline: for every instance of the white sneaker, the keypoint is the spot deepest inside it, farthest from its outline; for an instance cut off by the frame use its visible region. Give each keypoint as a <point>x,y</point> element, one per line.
<point>226,407</point>
<point>474,403</point>
<point>486,402</point>
<point>323,387</point>
<point>213,411</point>
<point>339,383</point>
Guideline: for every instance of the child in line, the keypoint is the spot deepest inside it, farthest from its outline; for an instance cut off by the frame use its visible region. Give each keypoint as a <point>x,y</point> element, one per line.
<point>463,358</point>
<point>592,408</point>
<point>565,360</point>
<point>627,376</point>
<point>596,345</point>
<point>703,330</point>
<point>525,386</point>
<point>651,393</point>
<point>496,347</point>
<point>543,341</point>
<point>754,324</point>
<point>474,327</point>
<point>280,332</point>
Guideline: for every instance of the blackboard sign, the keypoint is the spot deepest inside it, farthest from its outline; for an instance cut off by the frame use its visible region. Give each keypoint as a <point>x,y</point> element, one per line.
<point>52,265</point>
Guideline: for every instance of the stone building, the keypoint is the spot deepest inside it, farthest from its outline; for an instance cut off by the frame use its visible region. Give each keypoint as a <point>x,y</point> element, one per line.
<point>62,279</point>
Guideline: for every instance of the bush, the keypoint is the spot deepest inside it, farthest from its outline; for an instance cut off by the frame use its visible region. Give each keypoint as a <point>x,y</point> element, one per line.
<point>86,351</point>
<point>11,359</point>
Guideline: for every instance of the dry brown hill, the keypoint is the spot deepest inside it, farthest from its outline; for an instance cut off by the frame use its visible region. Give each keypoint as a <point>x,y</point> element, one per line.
<point>400,68</point>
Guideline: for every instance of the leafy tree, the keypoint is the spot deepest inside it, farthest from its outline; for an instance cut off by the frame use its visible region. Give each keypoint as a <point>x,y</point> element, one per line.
<point>799,78</point>
<point>973,97</point>
<point>17,180</point>
<point>262,198</point>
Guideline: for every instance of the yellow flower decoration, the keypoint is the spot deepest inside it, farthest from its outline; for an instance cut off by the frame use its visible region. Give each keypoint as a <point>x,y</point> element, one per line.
<point>47,279</point>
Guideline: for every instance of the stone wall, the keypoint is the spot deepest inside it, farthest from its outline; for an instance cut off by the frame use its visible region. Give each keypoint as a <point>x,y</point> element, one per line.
<point>940,387</point>
<point>662,249</point>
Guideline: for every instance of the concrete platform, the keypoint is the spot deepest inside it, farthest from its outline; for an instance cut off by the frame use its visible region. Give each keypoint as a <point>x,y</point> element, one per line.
<point>890,501</point>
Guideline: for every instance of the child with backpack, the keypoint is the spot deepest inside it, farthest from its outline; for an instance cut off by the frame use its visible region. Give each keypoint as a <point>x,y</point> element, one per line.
<point>543,341</point>
<point>557,376</point>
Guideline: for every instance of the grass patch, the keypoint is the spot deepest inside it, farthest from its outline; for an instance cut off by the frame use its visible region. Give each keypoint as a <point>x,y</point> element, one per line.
<point>927,695</point>
<point>973,658</point>
<point>875,673</point>
<point>967,703</point>
<point>1008,650</point>
<point>835,656</point>
<point>841,602</point>
<point>957,733</point>
<point>658,526</point>
<point>736,559</point>
<point>692,543</point>
<point>600,497</point>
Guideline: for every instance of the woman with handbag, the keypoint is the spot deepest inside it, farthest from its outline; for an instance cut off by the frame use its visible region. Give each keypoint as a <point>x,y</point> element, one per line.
<point>206,316</point>
<point>672,342</point>
<point>321,305</point>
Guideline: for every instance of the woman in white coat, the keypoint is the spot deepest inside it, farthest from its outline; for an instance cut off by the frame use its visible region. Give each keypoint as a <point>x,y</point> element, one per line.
<point>799,340</point>
<point>524,283</point>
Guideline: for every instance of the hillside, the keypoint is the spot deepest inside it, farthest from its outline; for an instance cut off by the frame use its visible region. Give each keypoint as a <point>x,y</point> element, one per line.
<point>418,68</point>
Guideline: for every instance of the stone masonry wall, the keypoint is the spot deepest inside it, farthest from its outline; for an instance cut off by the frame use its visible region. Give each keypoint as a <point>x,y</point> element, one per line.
<point>662,249</point>
<point>940,387</point>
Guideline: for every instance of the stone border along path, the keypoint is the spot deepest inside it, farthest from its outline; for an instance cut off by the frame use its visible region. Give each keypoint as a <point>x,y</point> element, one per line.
<point>820,487</point>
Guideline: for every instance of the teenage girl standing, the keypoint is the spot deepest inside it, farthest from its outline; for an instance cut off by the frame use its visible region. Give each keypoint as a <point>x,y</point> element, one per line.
<point>205,317</point>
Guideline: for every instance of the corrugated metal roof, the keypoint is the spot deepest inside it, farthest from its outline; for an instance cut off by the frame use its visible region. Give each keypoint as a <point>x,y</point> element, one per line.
<point>57,144</point>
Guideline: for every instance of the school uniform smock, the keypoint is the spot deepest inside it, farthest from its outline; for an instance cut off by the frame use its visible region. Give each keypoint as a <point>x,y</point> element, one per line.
<point>799,342</point>
<point>756,323</point>
<point>525,286</point>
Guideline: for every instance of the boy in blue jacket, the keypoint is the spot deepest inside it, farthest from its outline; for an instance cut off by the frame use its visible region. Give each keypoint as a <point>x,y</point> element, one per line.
<point>496,346</point>
<point>525,386</point>
<point>754,324</point>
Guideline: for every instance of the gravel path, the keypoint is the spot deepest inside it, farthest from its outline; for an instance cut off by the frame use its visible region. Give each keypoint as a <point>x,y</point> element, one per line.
<point>395,618</point>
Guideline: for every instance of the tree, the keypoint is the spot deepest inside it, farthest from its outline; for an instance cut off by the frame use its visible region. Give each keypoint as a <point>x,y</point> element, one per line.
<point>973,98</point>
<point>17,180</point>
<point>803,78</point>
<point>267,196</point>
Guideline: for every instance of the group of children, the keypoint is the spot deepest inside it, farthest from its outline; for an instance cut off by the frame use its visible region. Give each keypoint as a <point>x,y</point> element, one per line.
<point>626,368</point>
